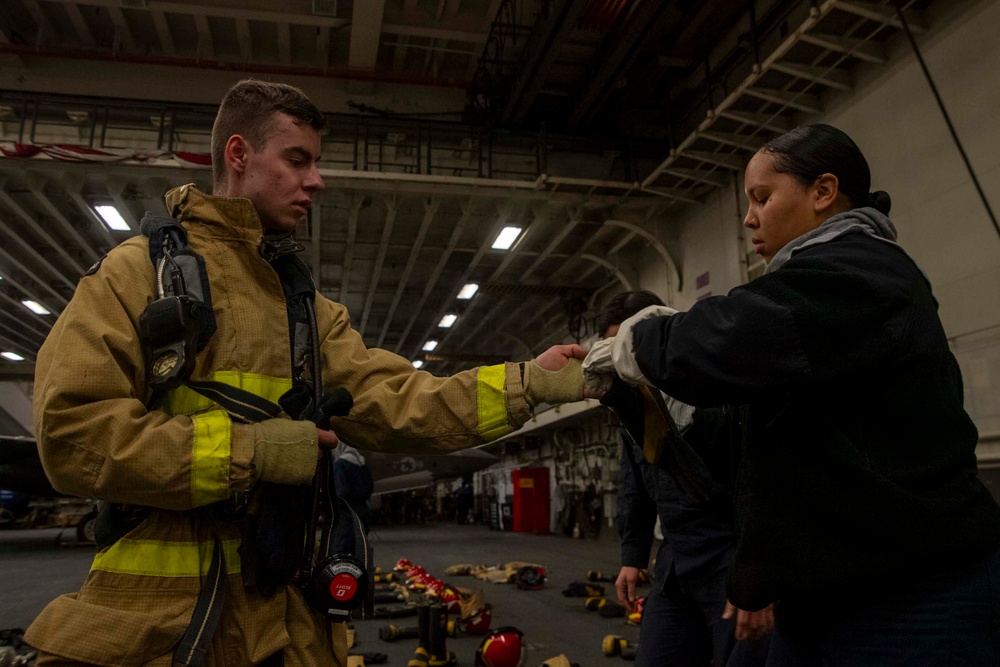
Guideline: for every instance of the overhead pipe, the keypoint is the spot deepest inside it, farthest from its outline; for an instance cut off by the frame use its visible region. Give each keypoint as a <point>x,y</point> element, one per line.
<point>215,64</point>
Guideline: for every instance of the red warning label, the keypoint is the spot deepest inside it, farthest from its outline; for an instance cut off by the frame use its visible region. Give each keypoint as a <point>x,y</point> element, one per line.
<point>343,586</point>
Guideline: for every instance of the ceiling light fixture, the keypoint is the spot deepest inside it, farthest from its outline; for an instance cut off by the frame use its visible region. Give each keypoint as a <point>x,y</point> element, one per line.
<point>418,364</point>
<point>505,239</point>
<point>35,307</point>
<point>13,356</point>
<point>468,291</point>
<point>112,218</point>
<point>430,345</point>
<point>447,321</point>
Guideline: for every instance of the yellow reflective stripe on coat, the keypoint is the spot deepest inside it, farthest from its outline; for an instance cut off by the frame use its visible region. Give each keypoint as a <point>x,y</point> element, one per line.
<point>186,401</point>
<point>210,456</point>
<point>491,402</point>
<point>211,450</point>
<point>155,558</point>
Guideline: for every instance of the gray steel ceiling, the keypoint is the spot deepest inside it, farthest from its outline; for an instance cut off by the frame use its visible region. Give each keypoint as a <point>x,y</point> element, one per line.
<point>589,123</point>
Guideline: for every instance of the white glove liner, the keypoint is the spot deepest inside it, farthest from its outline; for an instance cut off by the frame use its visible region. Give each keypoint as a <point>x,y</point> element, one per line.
<point>598,369</point>
<point>615,354</point>
<point>622,351</point>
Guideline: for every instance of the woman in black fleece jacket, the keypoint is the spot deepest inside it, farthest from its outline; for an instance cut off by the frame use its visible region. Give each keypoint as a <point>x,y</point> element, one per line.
<point>859,510</point>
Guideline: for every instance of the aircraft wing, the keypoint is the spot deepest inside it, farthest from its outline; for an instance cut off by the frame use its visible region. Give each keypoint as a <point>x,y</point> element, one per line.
<point>21,468</point>
<point>401,472</point>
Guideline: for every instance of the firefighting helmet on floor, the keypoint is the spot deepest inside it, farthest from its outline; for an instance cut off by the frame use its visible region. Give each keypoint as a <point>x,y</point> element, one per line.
<point>503,647</point>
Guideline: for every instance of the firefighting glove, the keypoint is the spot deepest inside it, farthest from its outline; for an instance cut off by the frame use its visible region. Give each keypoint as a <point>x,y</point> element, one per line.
<point>554,387</point>
<point>285,452</point>
<point>275,530</point>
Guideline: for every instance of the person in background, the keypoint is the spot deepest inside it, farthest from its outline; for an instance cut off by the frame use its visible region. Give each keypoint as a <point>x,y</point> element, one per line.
<point>465,501</point>
<point>352,478</point>
<point>859,509</point>
<point>685,620</point>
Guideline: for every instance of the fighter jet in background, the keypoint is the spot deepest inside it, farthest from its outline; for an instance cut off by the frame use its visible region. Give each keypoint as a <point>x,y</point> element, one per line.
<point>402,472</point>
<point>21,469</point>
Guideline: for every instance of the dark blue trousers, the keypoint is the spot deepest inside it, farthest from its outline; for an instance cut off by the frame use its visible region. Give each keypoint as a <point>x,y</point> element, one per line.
<point>949,618</point>
<point>686,629</point>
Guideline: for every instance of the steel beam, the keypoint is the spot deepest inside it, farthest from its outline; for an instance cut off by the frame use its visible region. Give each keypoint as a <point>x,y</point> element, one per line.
<point>83,32</point>
<point>123,34</point>
<point>352,232</point>
<point>807,102</point>
<point>740,141</point>
<point>456,233</point>
<point>856,48</point>
<point>42,233</point>
<point>430,209</point>
<point>885,14</point>
<point>390,217</point>
<point>769,121</point>
<point>725,160</point>
<point>625,42</point>
<point>825,76</point>
<point>366,27</point>
<point>163,32</point>
<point>540,54</point>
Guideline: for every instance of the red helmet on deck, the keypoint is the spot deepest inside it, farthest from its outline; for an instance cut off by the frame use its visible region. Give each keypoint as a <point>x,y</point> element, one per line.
<point>501,648</point>
<point>435,587</point>
<point>449,598</point>
<point>419,582</point>
<point>402,564</point>
<point>479,622</point>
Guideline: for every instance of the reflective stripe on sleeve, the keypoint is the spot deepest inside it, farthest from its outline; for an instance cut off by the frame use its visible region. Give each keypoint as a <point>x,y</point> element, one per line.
<point>210,456</point>
<point>492,402</point>
<point>211,450</point>
<point>156,558</point>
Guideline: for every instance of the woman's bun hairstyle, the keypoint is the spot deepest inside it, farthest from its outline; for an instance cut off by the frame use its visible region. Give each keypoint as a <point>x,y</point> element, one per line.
<point>880,201</point>
<point>809,151</point>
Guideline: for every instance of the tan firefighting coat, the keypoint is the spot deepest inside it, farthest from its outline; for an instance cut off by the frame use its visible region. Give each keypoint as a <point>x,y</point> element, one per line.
<point>98,439</point>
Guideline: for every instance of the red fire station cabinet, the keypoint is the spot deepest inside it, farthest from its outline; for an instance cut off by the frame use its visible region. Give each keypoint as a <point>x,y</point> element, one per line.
<point>531,500</point>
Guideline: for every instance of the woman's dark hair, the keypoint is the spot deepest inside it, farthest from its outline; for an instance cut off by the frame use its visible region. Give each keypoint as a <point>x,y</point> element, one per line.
<point>623,306</point>
<point>809,151</point>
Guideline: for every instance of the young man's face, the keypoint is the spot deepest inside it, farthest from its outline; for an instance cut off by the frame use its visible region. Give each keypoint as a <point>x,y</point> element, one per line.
<point>281,178</point>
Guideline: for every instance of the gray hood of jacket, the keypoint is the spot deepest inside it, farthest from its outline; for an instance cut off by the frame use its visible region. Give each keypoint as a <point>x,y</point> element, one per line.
<point>871,221</point>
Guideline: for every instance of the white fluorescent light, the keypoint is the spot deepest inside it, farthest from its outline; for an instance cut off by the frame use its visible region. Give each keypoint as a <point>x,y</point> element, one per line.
<point>13,356</point>
<point>418,364</point>
<point>112,218</point>
<point>447,321</point>
<point>35,307</point>
<point>468,291</point>
<point>506,238</point>
<point>430,345</point>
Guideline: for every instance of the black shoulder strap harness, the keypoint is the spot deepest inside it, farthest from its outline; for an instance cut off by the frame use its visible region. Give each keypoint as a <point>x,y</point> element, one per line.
<point>279,521</point>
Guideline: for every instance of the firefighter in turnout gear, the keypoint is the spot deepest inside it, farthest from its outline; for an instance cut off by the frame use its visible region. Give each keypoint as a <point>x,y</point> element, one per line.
<point>177,470</point>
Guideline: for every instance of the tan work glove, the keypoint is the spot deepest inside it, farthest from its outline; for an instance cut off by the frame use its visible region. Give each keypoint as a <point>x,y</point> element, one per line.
<point>553,387</point>
<point>285,451</point>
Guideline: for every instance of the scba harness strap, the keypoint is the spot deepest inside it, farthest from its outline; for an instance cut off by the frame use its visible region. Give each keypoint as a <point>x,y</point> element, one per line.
<point>180,321</point>
<point>278,542</point>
